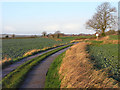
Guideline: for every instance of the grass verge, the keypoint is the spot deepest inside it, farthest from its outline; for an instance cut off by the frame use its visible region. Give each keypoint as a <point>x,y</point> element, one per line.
<point>15,78</point>
<point>52,78</point>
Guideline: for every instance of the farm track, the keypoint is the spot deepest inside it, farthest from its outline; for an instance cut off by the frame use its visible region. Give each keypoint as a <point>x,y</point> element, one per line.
<point>13,66</point>
<point>36,77</point>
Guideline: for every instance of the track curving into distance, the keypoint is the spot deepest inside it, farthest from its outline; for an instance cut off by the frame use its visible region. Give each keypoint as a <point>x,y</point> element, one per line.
<point>36,77</point>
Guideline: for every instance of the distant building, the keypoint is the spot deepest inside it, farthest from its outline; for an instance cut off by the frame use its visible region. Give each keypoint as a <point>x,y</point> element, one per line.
<point>97,34</point>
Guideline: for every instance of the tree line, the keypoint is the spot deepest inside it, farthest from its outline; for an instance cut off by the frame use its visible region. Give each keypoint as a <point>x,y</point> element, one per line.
<point>57,34</point>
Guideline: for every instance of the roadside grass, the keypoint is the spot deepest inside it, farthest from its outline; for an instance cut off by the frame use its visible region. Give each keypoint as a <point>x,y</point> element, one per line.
<point>15,78</point>
<point>74,37</point>
<point>77,71</point>
<point>94,42</point>
<point>53,77</point>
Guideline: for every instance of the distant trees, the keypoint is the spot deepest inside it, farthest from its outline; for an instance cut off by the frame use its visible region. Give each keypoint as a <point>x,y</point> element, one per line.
<point>13,36</point>
<point>103,19</point>
<point>44,33</point>
<point>57,33</point>
<point>110,32</point>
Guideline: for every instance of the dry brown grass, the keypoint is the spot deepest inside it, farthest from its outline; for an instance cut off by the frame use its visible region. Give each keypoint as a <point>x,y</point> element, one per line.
<point>31,52</point>
<point>77,72</point>
<point>6,59</point>
<point>37,50</point>
<point>111,41</point>
<point>107,41</point>
<point>104,39</point>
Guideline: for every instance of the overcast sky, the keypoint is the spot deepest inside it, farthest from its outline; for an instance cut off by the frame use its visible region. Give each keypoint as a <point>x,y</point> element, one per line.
<point>36,17</point>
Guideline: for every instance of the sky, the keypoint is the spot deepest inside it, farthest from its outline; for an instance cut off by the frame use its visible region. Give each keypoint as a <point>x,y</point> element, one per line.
<point>36,17</point>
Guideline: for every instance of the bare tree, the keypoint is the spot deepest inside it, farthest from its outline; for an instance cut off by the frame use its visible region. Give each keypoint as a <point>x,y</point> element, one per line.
<point>57,33</point>
<point>103,19</point>
<point>13,36</point>
<point>44,33</point>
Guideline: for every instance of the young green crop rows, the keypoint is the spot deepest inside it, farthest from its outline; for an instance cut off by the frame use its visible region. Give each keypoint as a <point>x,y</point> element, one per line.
<point>114,37</point>
<point>13,48</point>
<point>105,56</point>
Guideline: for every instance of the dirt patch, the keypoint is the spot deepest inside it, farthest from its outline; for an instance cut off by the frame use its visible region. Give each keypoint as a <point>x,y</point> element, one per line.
<point>104,38</point>
<point>76,71</point>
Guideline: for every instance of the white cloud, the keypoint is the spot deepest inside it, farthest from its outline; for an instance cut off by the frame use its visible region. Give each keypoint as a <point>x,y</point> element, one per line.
<point>8,29</point>
<point>72,26</point>
<point>51,27</point>
<point>66,27</point>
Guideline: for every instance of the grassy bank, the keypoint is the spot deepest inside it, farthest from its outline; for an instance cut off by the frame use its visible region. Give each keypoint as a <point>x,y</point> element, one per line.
<point>76,70</point>
<point>15,78</point>
<point>53,78</point>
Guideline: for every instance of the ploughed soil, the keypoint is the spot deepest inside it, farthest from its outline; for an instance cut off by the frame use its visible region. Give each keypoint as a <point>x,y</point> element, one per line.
<point>77,71</point>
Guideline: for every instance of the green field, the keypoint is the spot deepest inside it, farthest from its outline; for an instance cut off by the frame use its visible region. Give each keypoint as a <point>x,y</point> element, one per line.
<point>74,37</point>
<point>14,48</point>
<point>105,56</point>
<point>114,37</point>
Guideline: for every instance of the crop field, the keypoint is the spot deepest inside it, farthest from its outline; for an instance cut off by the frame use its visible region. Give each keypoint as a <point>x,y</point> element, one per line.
<point>114,37</point>
<point>105,56</point>
<point>74,37</point>
<point>13,48</point>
